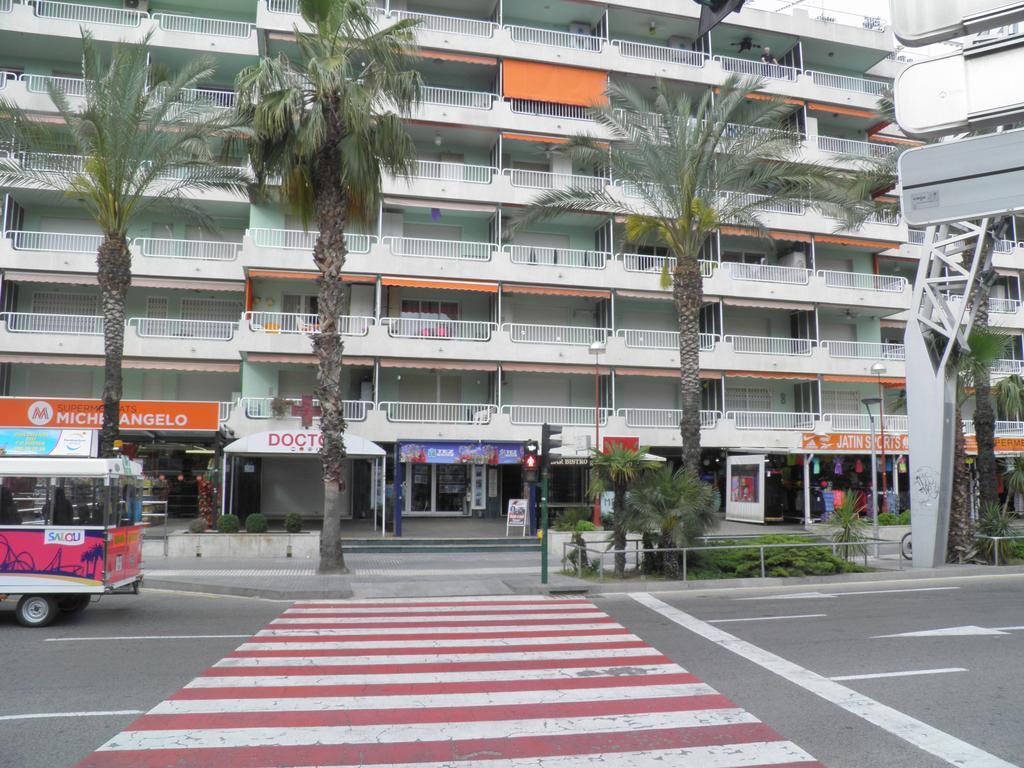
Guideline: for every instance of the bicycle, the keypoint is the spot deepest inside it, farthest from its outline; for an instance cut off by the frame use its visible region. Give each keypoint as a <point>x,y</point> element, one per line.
<point>907,546</point>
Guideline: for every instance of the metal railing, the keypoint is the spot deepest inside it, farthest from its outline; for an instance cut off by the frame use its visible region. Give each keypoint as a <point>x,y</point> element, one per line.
<point>453,25</point>
<point>770,345</point>
<point>544,256</point>
<point>863,281</point>
<point>6,6</point>
<point>573,335</point>
<point>735,130</point>
<point>895,423</point>
<point>1003,306</point>
<point>565,415</point>
<point>460,250</point>
<point>305,323</point>
<point>93,14</point>
<point>636,338</point>
<point>767,273</point>
<point>638,262</point>
<point>847,83</point>
<point>69,86</point>
<point>262,407</point>
<point>1002,428</point>
<point>550,109</point>
<point>198,25</point>
<point>864,350</point>
<point>633,50</point>
<point>757,68</point>
<point>457,330</point>
<point>1006,366</point>
<point>554,38</point>
<point>173,328</point>
<point>772,420</point>
<point>664,418</point>
<point>208,97</point>
<point>283,6</point>
<point>474,174</point>
<point>766,203</point>
<point>224,411</point>
<point>996,545</point>
<point>889,218</point>
<point>546,180</point>
<point>200,250</point>
<point>304,240</point>
<point>63,242</point>
<point>439,413</point>
<point>71,325</point>
<point>454,97</point>
<point>838,146</point>
<point>52,161</point>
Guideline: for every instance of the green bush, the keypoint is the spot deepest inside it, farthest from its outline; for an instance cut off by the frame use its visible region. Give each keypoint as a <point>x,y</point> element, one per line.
<point>293,522</point>
<point>742,563</point>
<point>891,518</point>
<point>228,524</point>
<point>568,518</point>
<point>197,526</point>
<point>256,523</point>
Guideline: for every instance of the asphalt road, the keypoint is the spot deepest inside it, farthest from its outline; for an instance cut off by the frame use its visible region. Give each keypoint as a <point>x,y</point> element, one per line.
<point>46,671</point>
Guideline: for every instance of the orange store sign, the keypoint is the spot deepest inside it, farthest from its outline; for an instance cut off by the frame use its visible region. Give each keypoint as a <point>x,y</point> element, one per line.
<point>855,441</point>
<point>1003,444</point>
<point>88,414</point>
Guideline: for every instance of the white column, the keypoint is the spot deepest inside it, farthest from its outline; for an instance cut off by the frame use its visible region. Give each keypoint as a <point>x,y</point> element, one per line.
<point>808,458</point>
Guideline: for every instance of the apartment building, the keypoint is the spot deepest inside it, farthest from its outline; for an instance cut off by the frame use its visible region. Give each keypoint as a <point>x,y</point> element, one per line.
<point>467,333</point>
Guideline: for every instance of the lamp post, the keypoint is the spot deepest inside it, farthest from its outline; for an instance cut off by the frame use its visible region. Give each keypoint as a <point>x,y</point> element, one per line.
<point>878,369</point>
<point>868,402</point>
<point>597,349</point>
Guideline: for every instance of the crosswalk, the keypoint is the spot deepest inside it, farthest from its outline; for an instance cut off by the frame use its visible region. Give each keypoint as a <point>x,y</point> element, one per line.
<point>490,682</point>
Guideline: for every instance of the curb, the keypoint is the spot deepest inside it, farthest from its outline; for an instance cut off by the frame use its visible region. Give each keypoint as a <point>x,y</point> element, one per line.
<point>342,593</point>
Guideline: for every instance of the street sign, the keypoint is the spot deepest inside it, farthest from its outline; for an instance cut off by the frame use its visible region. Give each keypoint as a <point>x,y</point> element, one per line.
<point>920,22</point>
<point>961,180</point>
<point>966,90</point>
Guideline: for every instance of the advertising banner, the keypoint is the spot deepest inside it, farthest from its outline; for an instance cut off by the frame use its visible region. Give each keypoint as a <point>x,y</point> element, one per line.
<point>44,559</point>
<point>856,442</point>
<point>517,511</point>
<point>124,553</point>
<point>69,413</point>
<point>461,453</point>
<point>76,443</point>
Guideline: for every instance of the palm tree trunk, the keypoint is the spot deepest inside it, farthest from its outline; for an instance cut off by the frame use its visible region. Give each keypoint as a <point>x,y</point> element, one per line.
<point>688,294</point>
<point>984,416</point>
<point>332,304</point>
<point>958,541</point>
<point>619,530</point>
<point>669,560</point>
<point>114,274</point>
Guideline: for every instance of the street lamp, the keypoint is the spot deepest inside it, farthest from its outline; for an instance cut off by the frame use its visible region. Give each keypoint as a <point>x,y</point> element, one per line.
<point>868,402</point>
<point>878,369</point>
<point>597,349</point>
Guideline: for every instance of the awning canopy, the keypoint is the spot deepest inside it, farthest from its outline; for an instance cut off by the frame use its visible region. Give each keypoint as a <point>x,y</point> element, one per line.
<point>445,285</point>
<point>554,290</point>
<point>299,442</point>
<point>885,380</point>
<point>774,234</point>
<point>441,365</point>
<point>554,83</point>
<point>771,375</point>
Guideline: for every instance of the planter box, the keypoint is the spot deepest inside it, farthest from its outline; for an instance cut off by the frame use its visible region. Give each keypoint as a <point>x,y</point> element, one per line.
<point>892,532</point>
<point>240,545</point>
<point>594,539</point>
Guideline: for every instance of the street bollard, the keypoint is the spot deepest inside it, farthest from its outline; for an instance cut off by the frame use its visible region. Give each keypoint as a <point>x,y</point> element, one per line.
<point>762,562</point>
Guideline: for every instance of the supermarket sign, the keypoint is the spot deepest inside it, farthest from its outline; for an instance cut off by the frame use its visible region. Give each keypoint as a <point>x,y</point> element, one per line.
<point>68,413</point>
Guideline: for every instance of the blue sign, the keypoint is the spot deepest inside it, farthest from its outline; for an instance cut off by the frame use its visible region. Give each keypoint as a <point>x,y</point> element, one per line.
<point>461,453</point>
<point>79,443</point>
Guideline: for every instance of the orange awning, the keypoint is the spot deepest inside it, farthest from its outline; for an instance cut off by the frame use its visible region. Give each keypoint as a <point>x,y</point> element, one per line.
<point>792,306</point>
<point>444,365</point>
<point>768,97</point>
<point>772,375</point>
<point>711,375</point>
<point>534,138</point>
<point>896,140</point>
<point>51,360</point>
<point>553,368</point>
<point>552,290</point>
<point>848,111</point>
<point>667,373</point>
<point>181,365</point>
<point>665,295</point>
<point>553,83</point>
<point>885,380</point>
<point>444,285</point>
<point>855,241</point>
<point>775,234</point>
<point>270,357</point>
<point>286,275</point>
<point>451,56</point>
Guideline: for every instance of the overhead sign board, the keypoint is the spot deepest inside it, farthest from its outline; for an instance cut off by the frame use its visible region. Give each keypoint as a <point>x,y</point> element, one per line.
<point>963,180</point>
<point>854,442</point>
<point>78,443</point>
<point>69,413</point>
<point>921,22</point>
<point>966,90</point>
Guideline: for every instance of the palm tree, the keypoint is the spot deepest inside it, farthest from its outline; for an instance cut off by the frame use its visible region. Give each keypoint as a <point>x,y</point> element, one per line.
<point>688,168</point>
<point>615,470</point>
<point>676,507</point>
<point>137,143</point>
<point>321,123</point>
<point>1009,394</point>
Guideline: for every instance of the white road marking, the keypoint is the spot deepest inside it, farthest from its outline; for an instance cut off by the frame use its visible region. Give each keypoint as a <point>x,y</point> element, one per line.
<point>908,673</point>
<point>48,715</point>
<point>496,643</point>
<point>769,618</point>
<point>139,637</point>
<point>818,595</point>
<point>923,736</point>
<point>368,612</point>
<point>508,628</point>
<point>293,621</point>
<point>968,630</point>
<point>623,654</point>
<point>413,600</point>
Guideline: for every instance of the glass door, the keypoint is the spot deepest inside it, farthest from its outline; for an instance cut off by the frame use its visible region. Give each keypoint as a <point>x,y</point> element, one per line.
<point>421,493</point>
<point>451,489</point>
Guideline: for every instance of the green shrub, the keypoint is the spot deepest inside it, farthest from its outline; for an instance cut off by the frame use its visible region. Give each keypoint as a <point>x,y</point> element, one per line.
<point>568,518</point>
<point>228,524</point>
<point>293,522</point>
<point>891,518</point>
<point>584,526</point>
<point>197,526</point>
<point>743,563</point>
<point>256,523</point>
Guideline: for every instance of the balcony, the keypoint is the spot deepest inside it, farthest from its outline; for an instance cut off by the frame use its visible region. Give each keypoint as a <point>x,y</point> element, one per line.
<point>770,345</point>
<point>549,109</point>
<point>847,83</point>
<point>438,413</point>
<point>660,53</point>
<point>64,325</point>
<point>541,256</point>
<point>472,174</point>
<point>88,14</point>
<point>453,97</point>
<point>304,240</point>
<point>767,273</point>
<point>864,350</point>
<point>546,180</point>
<point>455,330</point>
<point>422,247</point>
<point>197,25</point>
<point>772,420</point>
<point>451,25</point>
<point>859,422</point>
<point>62,242</point>
<point>554,38</point>
<point>572,335</point>
<point>669,340</point>
<point>171,328</point>
<point>1003,428</point>
<point>664,418</point>
<point>262,407</point>
<point>757,68</point>
<point>565,415</point>
<point>1006,367</point>
<point>837,146</point>
<point>863,281</point>
<point>274,323</point>
<point>199,250</point>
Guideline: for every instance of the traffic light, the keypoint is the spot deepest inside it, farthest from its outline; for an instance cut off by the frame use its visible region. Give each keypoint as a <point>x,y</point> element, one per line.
<point>550,438</point>
<point>713,11</point>
<point>531,461</point>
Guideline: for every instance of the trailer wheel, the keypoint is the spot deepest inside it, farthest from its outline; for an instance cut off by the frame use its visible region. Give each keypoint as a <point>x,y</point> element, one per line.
<point>73,603</point>
<point>36,610</point>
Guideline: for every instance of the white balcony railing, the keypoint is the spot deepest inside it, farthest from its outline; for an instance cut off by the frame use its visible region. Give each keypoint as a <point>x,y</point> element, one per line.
<point>69,325</point>
<point>454,97</point>
<point>304,240</point>
<point>283,6</point>
<point>847,83</point>
<point>208,97</point>
<point>895,423</point>
<point>572,335</point>
<point>197,25</point>
<point>423,247</point>
<point>766,203</point>
<point>546,180</point>
<point>1003,428</point>
<point>769,420</point>
<point>889,218</point>
<point>292,322</point>
<point>837,146</point>
<point>52,161</point>
<point>663,53</point>
<point>770,345</point>
<point>767,273</point>
<point>457,330</point>
<point>863,281</point>
<point>1006,367</point>
<point>565,415</point>
<point>864,350</point>
<point>641,339</point>
<point>62,242</point>
<point>664,418</point>
<point>69,86</point>
<point>173,328</point>
<point>550,109</point>
<point>638,262</point>
<point>439,413</point>
<point>453,25</point>
<point>200,250</point>
<point>1003,306</point>
<point>543,256</point>
<point>224,411</point>
<point>757,68</point>
<point>555,38</point>
<point>474,174</point>
<point>91,14</point>
<point>6,6</point>
<point>262,407</point>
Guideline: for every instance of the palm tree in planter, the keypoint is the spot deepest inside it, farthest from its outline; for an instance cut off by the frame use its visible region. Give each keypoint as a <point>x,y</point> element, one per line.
<point>687,168</point>
<point>1009,395</point>
<point>615,470</point>
<point>329,125</point>
<point>138,141</point>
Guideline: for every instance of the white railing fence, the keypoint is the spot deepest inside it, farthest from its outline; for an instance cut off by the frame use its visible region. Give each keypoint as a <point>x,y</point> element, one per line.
<point>198,25</point>
<point>203,250</point>
<point>664,418</point>
<point>454,97</point>
<point>574,335</point>
<point>304,240</point>
<point>92,14</point>
<point>863,281</point>
<point>770,345</point>
<point>172,328</point>
<point>536,255</point>
<point>864,350</point>
<point>550,109</point>
<point>669,55</point>
<point>767,273</point>
<point>847,83</point>
<point>757,68</point>
<point>458,330</point>
<point>565,415</point>
<point>454,25</point>
<point>262,407</point>
<point>554,38</point>
<point>305,323</point>
<point>546,180</point>
<point>69,86</point>
<point>474,174</point>
<point>440,249</point>
<point>439,413</point>
<point>895,423</point>
<point>837,146</point>
<point>772,420</point>
<point>638,262</point>
<point>64,242</point>
<point>71,325</point>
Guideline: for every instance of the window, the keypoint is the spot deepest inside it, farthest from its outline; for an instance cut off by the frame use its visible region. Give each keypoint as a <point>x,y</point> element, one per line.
<point>52,303</point>
<point>423,309</point>
<point>156,307</point>
<point>748,399</point>
<point>299,304</point>
<point>743,257</point>
<point>840,401</point>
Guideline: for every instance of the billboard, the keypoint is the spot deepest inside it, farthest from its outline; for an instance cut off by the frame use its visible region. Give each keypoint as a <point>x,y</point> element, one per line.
<point>76,443</point>
<point>73,413</point>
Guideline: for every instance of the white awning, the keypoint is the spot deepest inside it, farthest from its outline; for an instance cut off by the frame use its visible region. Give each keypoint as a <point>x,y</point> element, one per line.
<point>299,442</point>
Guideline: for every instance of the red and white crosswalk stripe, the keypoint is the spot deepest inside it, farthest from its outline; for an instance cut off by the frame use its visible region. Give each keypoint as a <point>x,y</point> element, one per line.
<point>494,682</point>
